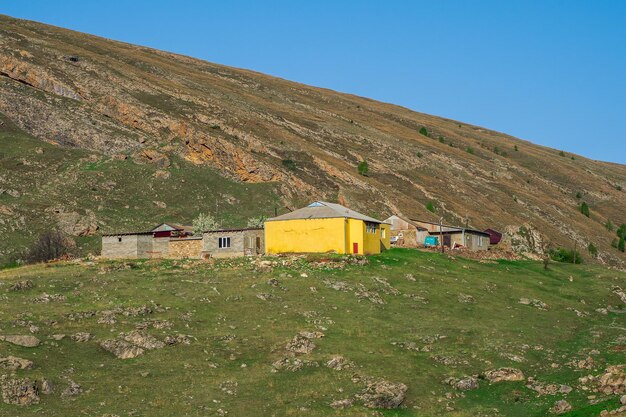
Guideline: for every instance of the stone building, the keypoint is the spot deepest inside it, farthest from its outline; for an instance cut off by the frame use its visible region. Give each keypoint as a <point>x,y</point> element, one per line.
<point>233,242</point>
<point>177,242</point>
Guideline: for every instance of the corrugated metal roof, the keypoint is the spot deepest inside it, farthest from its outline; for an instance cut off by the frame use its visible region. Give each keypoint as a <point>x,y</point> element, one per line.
<point>233,230</point>
<point>127,234</point>
<point>324,210</point>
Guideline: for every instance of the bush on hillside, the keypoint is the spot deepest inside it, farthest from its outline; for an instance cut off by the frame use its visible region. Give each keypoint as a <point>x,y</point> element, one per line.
<point>430,206</point>
<point>50,245</point>
<point>609,225</point>
<point>593,251</point>
<point>566,255</point>
<point>363,168</point>
<point>289,164</point>
<point>424,131</point>
<point>584,209</point>
<point>205,222</point>
<point>621,245</point>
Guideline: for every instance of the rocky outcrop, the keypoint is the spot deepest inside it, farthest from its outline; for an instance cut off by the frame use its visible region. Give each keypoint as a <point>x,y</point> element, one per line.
<point>13,363</point>
<point>383,394</point>
<point>19,340</point>
<point>18,391</point>
<point>525,240</point>
<point>504,374</point>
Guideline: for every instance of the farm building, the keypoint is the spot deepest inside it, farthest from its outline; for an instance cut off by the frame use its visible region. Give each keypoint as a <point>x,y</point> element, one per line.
<point>454,236</point>
<point>405,232</point>
<point>414,233</point>
<point>172,241</point>
<point>326,227</point>
<point>233,242</point>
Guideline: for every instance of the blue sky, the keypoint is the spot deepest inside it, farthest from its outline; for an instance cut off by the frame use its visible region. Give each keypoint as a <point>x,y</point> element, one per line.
<point>552,72</point>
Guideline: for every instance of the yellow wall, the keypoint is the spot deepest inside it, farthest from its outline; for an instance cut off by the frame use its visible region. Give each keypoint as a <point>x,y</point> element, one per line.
<point>385,242</point>
<point>324,235</point>
<point>305,235</point>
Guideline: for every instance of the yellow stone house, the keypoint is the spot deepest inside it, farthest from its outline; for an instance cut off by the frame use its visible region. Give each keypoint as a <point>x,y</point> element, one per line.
<point>326,227</point>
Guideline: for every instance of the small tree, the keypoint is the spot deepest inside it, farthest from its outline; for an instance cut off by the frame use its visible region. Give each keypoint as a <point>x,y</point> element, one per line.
<point>609,225</point>
<point>256,221</point>
<point>205,222</point>
<point>423,131</point>
<point>50,245</point>
<point>584,209</point>
<point>470,150</point>
<point>593,251</point>
<point>363,168</point>
<point>621,245</point>
<point>516,148</point>
<point>579,195</point>
<point>621,230</point>
<point>430,206</point>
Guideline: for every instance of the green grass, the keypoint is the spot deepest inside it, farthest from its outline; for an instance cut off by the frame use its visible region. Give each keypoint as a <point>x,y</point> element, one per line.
<point>217,305</point>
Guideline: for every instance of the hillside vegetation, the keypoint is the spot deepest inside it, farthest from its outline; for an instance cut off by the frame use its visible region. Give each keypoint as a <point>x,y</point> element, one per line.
<point>138,121</point>
<point>292,335</point>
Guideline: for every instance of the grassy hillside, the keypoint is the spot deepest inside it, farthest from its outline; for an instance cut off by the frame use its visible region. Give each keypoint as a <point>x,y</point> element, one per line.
<point>239,128</point>
<point>405,317</point>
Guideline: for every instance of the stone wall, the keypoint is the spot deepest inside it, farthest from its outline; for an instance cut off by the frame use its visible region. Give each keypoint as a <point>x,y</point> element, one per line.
<point>185,248</point>
<point>127,246</point>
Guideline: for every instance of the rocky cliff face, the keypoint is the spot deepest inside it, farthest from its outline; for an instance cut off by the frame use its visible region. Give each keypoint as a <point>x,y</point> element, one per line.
<point>126,101</point>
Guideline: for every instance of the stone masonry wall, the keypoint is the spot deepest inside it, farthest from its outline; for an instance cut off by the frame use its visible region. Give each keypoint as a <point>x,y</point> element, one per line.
<point>185,248</point>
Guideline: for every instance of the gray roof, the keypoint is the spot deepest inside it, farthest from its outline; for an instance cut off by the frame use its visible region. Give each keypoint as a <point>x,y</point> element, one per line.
<point>324,210</point>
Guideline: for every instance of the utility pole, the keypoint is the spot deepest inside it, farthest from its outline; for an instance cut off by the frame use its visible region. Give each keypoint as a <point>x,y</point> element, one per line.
<point>574,258</point>
<point>441,234</point>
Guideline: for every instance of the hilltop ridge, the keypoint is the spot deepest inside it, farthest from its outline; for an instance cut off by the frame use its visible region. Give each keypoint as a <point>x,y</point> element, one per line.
<point>117,109</point>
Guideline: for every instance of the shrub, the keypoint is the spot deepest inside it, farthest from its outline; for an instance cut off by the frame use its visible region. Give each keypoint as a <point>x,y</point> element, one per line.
<point>621,231</point>
<point>423,131</point>
<point>584,209</point>
<point>561,153</point>
<point>621,245</point>
<point>593,251</point>
<point>442,139</point>
<point>566,255</point>
<point>419,154</point>
<point>609,225</point>
<point>579,195</point>
<point>205,222</point>
<point>430,206</point>
<point>50,245</point>
<point>363,168</point>
<point>289,164</point>
<point>516,148</point>
<point>615,242</point>
<point>256,221</point>
<point>470,150</point>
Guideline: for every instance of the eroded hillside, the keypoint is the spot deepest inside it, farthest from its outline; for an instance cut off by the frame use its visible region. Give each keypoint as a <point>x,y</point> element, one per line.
<point>117,101</point>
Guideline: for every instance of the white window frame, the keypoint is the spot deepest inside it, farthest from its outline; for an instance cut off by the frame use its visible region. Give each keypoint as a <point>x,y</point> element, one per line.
<point>223,242</point>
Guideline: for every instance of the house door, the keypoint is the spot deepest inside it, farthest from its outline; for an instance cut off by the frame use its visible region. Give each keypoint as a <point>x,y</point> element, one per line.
<point>447,240</point>
<point>258,245</point>
<point>355,247</point>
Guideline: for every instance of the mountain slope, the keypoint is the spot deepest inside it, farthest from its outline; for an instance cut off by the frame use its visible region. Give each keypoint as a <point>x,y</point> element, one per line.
<point>118,101</point>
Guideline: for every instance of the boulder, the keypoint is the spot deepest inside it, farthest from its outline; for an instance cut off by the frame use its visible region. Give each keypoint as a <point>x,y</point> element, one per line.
<point>72,390</point>
<point>26,341</point>
<point>300,344</point>
<point>46,387</point>
<point>18,391</point>
<point>22,285</point>
<point>561,407</point>
<point>504,374</point>
<point>383,394</point>
<point>339,363</point>
<point>122,349</point>
<point>81,337</point>
<point>143,340</point>
<point>464,384</point>
<point>613,381</point>
<point>13,364</point>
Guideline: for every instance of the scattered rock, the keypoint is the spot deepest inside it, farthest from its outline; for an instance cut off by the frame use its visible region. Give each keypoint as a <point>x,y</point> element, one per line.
<point>293,364</point>
<point>561,407</point>
<point>300,344</point>
<point>46,387</point>
<point>534,303</point>
<point>72,390</point>
<point>22,285</point>
<point>81,337</point>
<point>383,394</point>
<point>339,363</point>
<point>18,391</point>
<point>143,340</point>
<point>122,349</point>
<point>342,404</point>
<point>26,341</point>
<point>13,364</point>
<point>504,374</point>
<point>464,384</point>
<point>179,339</point>
<point>613,381</point>
<point>47,298</point>
<point>466,298</point>
<point>264,296</point>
